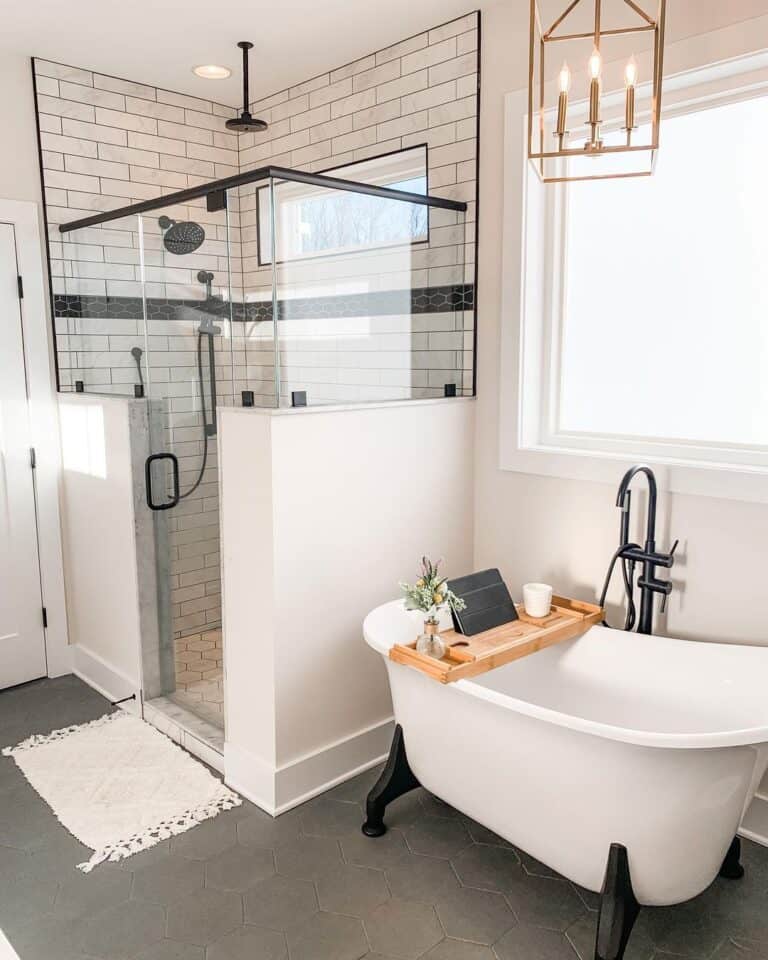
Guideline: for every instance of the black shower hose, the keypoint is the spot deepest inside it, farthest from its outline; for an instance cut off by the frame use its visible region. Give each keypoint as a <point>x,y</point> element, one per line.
<point>628,576</point>
<point>204,462</point>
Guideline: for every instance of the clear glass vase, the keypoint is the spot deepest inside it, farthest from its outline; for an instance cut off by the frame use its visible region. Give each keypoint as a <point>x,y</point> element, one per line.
<point>430,643</point>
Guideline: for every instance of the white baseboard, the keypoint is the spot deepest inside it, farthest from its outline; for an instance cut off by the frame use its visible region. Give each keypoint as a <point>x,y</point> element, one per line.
<point>104,678</point>
<point>278,789</point>
<point>250,776</point>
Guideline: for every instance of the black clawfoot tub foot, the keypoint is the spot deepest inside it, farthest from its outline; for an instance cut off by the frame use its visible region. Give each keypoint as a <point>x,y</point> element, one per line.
<point>618,907</point>
<point>732,868</point>
<point>396,779</point>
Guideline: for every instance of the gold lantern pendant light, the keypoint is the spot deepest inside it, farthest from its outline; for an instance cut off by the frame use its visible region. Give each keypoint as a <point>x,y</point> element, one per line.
<point>613,145</point>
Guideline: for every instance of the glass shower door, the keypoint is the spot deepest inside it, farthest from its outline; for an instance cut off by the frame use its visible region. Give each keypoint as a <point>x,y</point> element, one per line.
<point>188,375</point>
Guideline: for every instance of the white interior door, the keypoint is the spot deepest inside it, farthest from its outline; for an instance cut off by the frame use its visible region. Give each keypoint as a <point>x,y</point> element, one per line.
<point>22,639</point>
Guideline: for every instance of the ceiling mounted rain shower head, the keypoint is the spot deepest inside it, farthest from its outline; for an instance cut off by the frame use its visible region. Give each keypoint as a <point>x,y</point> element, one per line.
<point>246,123</point>
<point>181,236</point>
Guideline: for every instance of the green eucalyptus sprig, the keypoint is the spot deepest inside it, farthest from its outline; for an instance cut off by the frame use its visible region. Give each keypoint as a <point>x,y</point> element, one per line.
<point>430,593</point>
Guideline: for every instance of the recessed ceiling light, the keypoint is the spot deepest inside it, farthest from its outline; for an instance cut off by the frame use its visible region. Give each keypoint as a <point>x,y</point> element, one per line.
<point>211,71</point>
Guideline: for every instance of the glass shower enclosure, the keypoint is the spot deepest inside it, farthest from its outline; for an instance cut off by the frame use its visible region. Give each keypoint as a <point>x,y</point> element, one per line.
<point>271,288</point>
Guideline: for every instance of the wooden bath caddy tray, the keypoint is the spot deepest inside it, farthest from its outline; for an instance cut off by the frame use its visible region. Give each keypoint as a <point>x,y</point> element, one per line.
<point>470,656</point>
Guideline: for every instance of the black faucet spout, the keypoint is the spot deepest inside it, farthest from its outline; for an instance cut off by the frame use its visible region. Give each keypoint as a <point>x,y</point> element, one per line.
<point>623,497</point>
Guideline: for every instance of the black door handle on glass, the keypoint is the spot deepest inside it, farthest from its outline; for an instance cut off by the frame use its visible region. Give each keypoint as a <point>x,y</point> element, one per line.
<point>174,474</point>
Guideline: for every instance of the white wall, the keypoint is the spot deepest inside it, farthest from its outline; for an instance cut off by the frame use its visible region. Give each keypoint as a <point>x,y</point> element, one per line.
<point>323,512</point>
<point>562,530</point>
<point>99,543</point>
<point>19,166</point>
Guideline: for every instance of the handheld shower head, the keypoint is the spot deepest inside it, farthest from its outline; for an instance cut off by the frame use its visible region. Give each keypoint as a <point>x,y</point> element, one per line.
<point>137,353</point>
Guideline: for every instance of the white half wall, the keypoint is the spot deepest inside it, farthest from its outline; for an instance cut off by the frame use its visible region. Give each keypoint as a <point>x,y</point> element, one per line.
<point>324,510</point>
<point>98,521</point>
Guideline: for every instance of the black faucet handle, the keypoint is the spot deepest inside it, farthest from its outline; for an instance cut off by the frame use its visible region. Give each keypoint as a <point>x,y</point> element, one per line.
<point>674,547</point>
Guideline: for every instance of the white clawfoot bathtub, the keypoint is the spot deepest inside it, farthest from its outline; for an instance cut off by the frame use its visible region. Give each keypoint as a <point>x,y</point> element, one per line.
<point>614,737</point>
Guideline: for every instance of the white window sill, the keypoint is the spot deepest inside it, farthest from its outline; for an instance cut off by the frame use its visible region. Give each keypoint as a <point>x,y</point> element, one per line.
<point>724,481</point>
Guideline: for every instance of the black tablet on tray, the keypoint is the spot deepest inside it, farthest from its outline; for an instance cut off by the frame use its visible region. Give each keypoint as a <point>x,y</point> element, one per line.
<point>488,603</point>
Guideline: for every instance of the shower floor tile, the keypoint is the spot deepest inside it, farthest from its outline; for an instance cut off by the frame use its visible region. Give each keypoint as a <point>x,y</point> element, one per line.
<point>199,661</point>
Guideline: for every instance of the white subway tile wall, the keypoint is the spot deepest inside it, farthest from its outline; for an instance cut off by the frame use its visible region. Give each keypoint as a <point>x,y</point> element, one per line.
<point>106,143</point>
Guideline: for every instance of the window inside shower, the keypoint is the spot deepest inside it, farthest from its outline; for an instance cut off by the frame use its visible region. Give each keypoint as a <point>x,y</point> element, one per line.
<point>315,221</point>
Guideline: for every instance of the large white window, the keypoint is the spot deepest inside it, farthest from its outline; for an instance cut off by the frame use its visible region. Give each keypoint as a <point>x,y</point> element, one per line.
<point>643,302</point>
<point>664,314</point>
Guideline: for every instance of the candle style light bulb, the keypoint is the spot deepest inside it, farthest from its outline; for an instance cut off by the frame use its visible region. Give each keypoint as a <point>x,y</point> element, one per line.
<point>564,81</point>
<point>630,73</point>
<point>630,81</point>
<point>595,65</point>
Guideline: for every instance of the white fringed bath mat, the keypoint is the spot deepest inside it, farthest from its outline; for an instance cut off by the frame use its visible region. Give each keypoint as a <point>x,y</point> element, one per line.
<point>119,785</point>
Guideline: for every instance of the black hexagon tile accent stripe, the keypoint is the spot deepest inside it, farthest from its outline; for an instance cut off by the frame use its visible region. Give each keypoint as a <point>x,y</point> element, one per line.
<point>444,299</point>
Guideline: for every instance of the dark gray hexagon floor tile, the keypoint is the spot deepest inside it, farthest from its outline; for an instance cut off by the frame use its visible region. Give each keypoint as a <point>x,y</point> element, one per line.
<point>459,950</point>
<point>239,868</point>
<point>83,894</point>
<point>24,892</point>
<point>405,810</point>
<point>331,818</point>
<point>534,943</point>
<point>354,891</point>
<point>261,830</point>
<point>581,935</point>
<point>589,898</point>
<point>171,950</point>
<point>437,837</point>
<point>535,867</point>
<point>435,807</point>
<point>204,916</point>
<point>327,936</point>
<point>206,839</point>
<point>739,912</point>
<point>378,852</point>
<point>358,788</point>
<point>481,834</point>
<point>308,858</point>
<point>426,879</point>
<point>146,857</point>
<point>249,943</point>
<point>544,902</point>
<point>487,867</point>
<point>481,916</point>
<point>27,820</point>
<point>44,938</point>
<point>59,855</point>
<point>403,928</point>
<point>121,931</point>
<point>737,949</point>
<point>167,880</point>
<point>280,902</point>
<point>687,929</point>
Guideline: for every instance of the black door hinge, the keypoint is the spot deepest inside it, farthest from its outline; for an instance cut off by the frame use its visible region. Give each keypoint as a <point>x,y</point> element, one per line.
<point>45,617</point>
<point>32,458</point>
<point>21,287</point>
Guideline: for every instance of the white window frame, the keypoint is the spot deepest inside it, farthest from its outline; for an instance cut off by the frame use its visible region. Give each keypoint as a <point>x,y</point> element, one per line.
<point>533,302</point>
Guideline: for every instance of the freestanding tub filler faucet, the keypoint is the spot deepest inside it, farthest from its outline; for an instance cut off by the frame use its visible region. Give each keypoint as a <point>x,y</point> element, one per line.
<point>631,553</point>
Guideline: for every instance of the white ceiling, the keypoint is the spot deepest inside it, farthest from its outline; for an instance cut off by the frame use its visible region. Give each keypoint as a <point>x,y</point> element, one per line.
<point>158,41</point>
